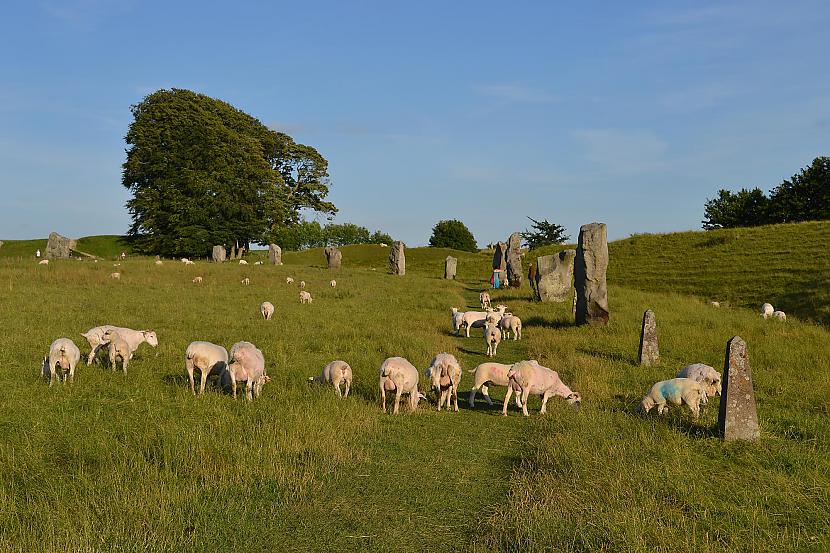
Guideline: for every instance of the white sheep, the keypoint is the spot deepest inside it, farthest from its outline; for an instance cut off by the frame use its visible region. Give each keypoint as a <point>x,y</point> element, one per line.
<point>714,303</point>
<point>43,262</point>
<point>247,365</point>
<point>484,299</point>
<point>780,315</point>
<point>98,337</point>
<point>767,310</point>
<point>444,374</point>
<point>678,391</point>
<point>333,283</point>
<point>158,262</point>
<point>490,374</point>
<point>61,360</point>
<point>511,325</point>
<point>243,262</point>
<point>209,358</point>
<point>119,350</point>
<point>289,280</point>
<point>529,377</point>
<point>115,276</point>
<point>475,319</point>
<point>302,285</point>
<point>305,297</point>
<point>267,310</point>
<point>335,373</point>
<point>258,263</point>
<point>492,337</point>
<point>246,281</point>
<point>197,280</point>
<point>400,376</point>
<point>382,245</point>
<point>705,375</point>
<point>457,319</point>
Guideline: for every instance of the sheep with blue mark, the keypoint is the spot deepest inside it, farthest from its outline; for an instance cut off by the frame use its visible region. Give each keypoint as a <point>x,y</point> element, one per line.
<point>679,391</point>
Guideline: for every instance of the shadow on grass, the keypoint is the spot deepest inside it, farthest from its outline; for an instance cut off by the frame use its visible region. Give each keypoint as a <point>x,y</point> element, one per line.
<point>610,355</point>
<point>545,323</point>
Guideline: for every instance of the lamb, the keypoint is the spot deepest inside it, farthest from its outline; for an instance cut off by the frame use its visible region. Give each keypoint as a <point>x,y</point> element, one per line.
<point>511,324</point>
<point>61,360</point>
<point>43,262</point>
<point>186,261</point>
<point>492,337</point>
<point>532,378</point>
<point>457,319</point>
<point>197,280</point>
<point>246,281</point>
<point>714,303</point>
<point>444,374</point>
<point>248,366</point>
<point>780,315</point>
<point>400,376</point>
<point>289,280</point>
<point>484,299</point>
<point>302,285</point>
<point>115,276</point>
<point>258,263</point>
<point>98,337</point>
<point>477,319</point>
<point>678,391</point>
<point>305,297</point>
<point>333,283</point>
<point>243,262</point>
<point>158,262</point>
<point>209,358</point>
<point>337,372</point>
<point>382,245</point>
<point>705,375</point>
<point>490,374</point>
<point>767,310</point>
<point>119,349</point>
<point>267,310</point>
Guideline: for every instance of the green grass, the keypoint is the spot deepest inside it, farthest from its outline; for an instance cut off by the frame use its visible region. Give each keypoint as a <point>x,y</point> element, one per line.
<point>138,464</point>
<point>106,246</point>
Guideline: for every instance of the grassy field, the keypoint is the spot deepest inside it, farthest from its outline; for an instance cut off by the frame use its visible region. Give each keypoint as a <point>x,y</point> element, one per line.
<point>139,464</point>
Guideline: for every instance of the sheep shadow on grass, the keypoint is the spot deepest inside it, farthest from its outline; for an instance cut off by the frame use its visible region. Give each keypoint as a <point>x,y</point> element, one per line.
<point>556,324</point>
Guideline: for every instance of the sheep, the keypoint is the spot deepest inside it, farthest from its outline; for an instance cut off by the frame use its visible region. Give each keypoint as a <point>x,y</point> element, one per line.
<point>158,262</point>
<point>780,315</point>
<point>302,285</point>
<point>305,297</point>
<point>382,245</point>
<point>267,310</point>
<point>114,264</point>
<point>444,374</point>
<point>98,337</point>
<point>475,319</point>
<point>246,281</point>
<point>400,376</point>
<point>258,263</point>
<point>677,391</point>
<point>767,310</point>
<point>115,276</point>
<point>186,261</point>
<point>490,374</point>
<point>61,360</point>
<point>43,262</point>
<point>714,303</point>
<point>337,372</point>
<point>289,280</point>
<point>484,299</point>
<point>333,283</point>
<point>457,318</point>
<point>119,349</point>
<point>209,358</point>
<point>492,337</point>
<point>248,365</point>
<point>197,280</point>
<point>243,262</point>
<point>511,324</point>
<point>530,377</point>
<point>705,375</point>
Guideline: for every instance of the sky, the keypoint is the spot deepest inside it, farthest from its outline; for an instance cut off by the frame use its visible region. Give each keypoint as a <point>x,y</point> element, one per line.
<point>627,113</point>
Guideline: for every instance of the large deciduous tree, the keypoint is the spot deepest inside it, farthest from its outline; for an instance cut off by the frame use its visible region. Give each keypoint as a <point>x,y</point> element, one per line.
<point>203,173</point>
<point>453,234</point>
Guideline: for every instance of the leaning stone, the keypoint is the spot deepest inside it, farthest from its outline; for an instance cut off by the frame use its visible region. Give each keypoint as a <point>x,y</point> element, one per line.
<point>589,275</point>
<point>649,352</point>
<point>219,254</point>
<point>500,256</point>
<point>59,247</point>
<point>274,254</point>
<point>738,416</point>
<point>397,258</point>
<point>515,274</point>
<point>450,265</point>
<point>554,276</point>
<point>333,257</point>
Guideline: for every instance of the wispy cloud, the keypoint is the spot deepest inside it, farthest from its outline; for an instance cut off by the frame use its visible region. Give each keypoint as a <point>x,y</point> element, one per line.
<point>515,93</point>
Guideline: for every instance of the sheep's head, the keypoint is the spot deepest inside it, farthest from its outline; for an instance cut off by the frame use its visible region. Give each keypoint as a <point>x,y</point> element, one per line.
<point>574,400</point>
<point>645,405</point>
<point>150,337</point>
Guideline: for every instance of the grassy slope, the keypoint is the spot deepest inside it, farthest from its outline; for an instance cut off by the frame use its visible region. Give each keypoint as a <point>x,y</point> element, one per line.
<point>140,465</point>
<point>106,246</point>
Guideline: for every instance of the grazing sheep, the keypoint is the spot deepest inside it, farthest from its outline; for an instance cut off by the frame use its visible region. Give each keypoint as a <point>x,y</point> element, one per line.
<point>158,262</point>
<point>767,310</point>
<point>400,376</point>
<point>714,303</point>
<point>197,280</point>
<point>444,374</point>
<point>246,281</point>
<point>98,337</point>
<point>333,283</point>
<point>457,318</point>
<point>61,360</point>
<point>678,391</point>
<point>43,262</point>
<point>258,263</point>
<point>302,285</point>
<point>267,310</point>
<point>116,276</point>
<point>335,373</point>
<point>243,262</point>
<point>382,245</point>
<point>490,374</point>
<point>119,349</point>
<point>484,299</point>
<point>530,377</point>
<point>704,375</point>
<point>492,337</point>
<point>511,325</point>
<point>248,365</point>
<point>475,319</point>
<point>185,260</point>
<point>289,280</point>
<point>209,358</point>
<point>780,315</point>
<point>305,297</point>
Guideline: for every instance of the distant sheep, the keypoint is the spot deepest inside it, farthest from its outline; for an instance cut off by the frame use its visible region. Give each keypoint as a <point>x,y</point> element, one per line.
<point>511,325</point>
<point>43,262</point>
<point>767,310</point>
<point>243,262</point>
<point>302,285</point>
<point>714,303</point>
<point>336,373</point>
<point>333,283</point>
<point>246,281</point>
<point>492,337</point>
<point>158,262</point>
<point>484,299</point>
<point>704,375</point>
<point>267,310</point>
<point>382,245</point>
<point>444,374</point>
<point>61,360</point>
<point>258,263</point>
<point>197,280</point>
<point>678,391</point>
<point>400,376</point>
<point>209,358</point>
<point>289,280</point>
<point>115,276</point>
<point>780,315</point>
<point>305,297</point>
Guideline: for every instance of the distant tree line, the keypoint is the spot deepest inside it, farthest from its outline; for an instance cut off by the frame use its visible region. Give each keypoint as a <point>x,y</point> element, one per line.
<point>303,235</point>
<point>804,197</point>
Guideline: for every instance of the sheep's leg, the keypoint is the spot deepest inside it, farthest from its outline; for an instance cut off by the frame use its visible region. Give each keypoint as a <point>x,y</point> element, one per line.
<point>348,386</point>
<point>398,393</point>
<point>204,376</point>
<point>485,391</point>
<point>467,328</point>
<point>506,399</point>
<point>92,354</point>
<point>52,375</point>
<point>71,373</point>
<point>473,397</point>
<point>383,397</point>
<point>189,367</point>
<point>233,384</point>
<point>124,364</point>
<point>454,397</point>
<point>545,399</point>
<point>249,390</point>
<point>525,395</point>
<point>336,383</point>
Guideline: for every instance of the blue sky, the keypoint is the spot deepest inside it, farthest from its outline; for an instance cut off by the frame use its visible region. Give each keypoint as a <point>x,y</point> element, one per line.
<point>629,113</point>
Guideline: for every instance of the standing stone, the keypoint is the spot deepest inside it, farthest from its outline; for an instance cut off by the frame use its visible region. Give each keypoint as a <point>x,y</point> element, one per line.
<point>397,259</point>
<point>589,275</point>
<point>500,256</point>
<point>554,275</point>
<point>514,260</point>
<point>649,353</point>
<point>219,254</point>
<point>333,257</point>
<point>233,251</point>
<point>59,247</point>
<point>274,254</point>
<point>450,265</point>
<point>738,417</point>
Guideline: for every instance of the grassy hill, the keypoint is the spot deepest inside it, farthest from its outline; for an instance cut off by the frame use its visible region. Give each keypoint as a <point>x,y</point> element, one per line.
<point>107,246</point>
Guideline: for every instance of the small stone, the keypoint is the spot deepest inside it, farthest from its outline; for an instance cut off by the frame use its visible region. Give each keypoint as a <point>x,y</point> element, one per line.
<point>649,352</point>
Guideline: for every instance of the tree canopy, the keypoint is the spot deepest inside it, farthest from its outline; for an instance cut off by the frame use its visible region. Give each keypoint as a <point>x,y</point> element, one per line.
<point>203,173</point>
<point>543,234</point>
<point>310,234</point>
<point>453,234</point>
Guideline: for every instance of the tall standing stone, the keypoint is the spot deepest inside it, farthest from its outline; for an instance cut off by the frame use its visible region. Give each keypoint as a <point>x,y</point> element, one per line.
<point>274,254</point>
<point>515,274</point>
<point>589,275</point>
<point>397,258</point>
<point>59,247</point>
<point>450,265</point>
<point>554,276</point>
<point>219,254</point>
<point>738,417</point>
<point>233,251</point>
<point>333,257</point>
<point>649,352</point>
<point>500,256</point>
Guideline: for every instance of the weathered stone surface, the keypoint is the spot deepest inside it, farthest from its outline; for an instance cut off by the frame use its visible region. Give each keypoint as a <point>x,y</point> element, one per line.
<point>515,274</point>
<point>59,247</point>
<point>397,258</point>
<point>334,257</point>
<point>219,254</point>
<point>450,265</point>
<point>649,352</point>
<point>738,417</point>
<point>274,254</point>
<point>589,275</point>
<point>554,275</point>
<point>500,257</point>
